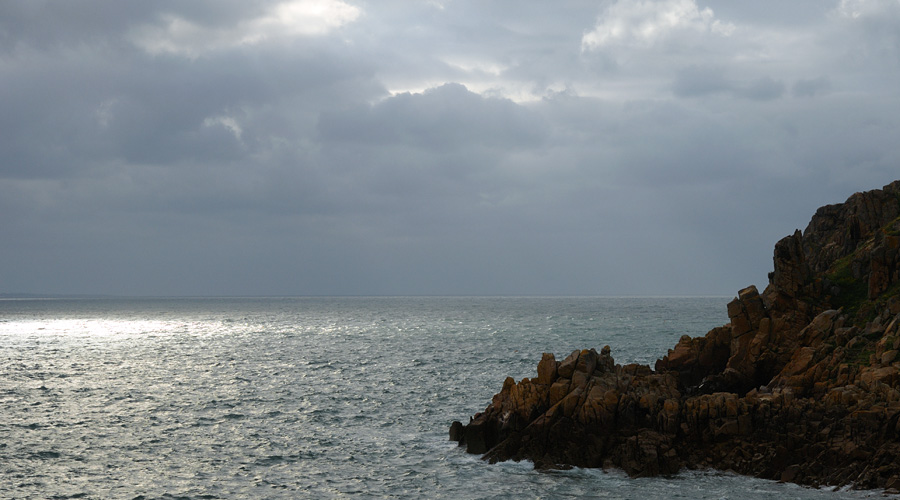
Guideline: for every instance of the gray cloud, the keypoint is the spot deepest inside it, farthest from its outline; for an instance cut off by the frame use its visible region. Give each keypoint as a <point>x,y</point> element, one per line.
<point>809,87</point>
<point>431,147</point>
<point>764,89</point>
<point>697,81</point>
<point>449,117</point>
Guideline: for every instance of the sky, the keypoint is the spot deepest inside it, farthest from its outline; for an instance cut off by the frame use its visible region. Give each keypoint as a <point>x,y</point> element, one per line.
<point>434,147</point>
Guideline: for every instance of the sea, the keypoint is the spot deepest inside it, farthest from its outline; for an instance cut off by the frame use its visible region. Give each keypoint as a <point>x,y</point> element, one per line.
<point>311,397</point>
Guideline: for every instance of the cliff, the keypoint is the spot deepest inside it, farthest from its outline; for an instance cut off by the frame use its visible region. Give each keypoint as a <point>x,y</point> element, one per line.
<point>802,385</point>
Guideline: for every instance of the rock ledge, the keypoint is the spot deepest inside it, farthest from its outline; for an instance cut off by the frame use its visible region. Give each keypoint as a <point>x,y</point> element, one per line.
<point>803,384</point>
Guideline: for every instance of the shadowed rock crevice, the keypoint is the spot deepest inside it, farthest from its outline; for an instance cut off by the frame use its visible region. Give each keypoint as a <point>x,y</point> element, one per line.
<point>802,385</point>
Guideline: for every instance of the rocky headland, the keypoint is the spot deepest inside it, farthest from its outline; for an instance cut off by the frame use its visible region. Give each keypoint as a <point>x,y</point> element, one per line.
<point>803,384</point>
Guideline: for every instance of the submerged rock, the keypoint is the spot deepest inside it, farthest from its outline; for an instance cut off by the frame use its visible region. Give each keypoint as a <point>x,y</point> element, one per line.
<point>803,384</point>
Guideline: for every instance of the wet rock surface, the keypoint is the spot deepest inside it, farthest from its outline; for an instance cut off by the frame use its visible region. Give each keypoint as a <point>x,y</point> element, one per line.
<point>803,384</point>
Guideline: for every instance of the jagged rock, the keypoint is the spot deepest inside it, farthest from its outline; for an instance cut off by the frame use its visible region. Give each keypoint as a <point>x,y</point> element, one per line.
<point>547,370</point>
<point>802,385</point>
<point>791,269</point>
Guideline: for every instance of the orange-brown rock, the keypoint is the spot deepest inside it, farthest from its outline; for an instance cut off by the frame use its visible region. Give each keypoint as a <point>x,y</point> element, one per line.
<point>802,385</point>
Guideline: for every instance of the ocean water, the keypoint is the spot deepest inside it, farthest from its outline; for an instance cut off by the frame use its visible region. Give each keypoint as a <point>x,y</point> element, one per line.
<point>310,397</point>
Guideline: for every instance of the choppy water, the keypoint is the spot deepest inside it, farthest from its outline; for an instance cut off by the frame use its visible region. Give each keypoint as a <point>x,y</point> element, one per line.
<point>309,397</point>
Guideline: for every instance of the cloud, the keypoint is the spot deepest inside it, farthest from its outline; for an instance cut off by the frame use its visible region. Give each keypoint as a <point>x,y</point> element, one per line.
<point>697,81</point>
<point>706,81</point>
<point>441,151</point>
<point>811,87</point>
<point>461,147</point>
<point>763,89</point>
<point>443,118</point>
<point>863,9</point>
<point>175,34</point>
<point>648,23</point>
<point>119,105</point>
<point>870,31</point>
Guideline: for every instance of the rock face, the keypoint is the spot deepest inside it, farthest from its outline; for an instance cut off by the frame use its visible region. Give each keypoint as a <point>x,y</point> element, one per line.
<point>803,384</point>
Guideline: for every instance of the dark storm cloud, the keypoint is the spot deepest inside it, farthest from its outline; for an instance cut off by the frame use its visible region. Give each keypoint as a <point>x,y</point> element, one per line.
<point>67,109</point>
<point>332,147</point>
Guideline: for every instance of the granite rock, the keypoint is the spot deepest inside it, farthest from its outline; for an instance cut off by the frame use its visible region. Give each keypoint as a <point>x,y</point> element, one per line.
<point>802,385</point>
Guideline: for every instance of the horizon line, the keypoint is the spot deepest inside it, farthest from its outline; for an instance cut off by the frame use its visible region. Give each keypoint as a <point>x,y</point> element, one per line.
<point>47,296</point>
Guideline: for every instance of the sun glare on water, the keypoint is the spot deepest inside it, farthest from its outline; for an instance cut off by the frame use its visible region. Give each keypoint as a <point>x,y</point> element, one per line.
<point>96,328</point>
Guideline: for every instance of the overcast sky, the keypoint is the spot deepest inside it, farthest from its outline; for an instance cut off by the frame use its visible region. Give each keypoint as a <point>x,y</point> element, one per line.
<point>319,147</point>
